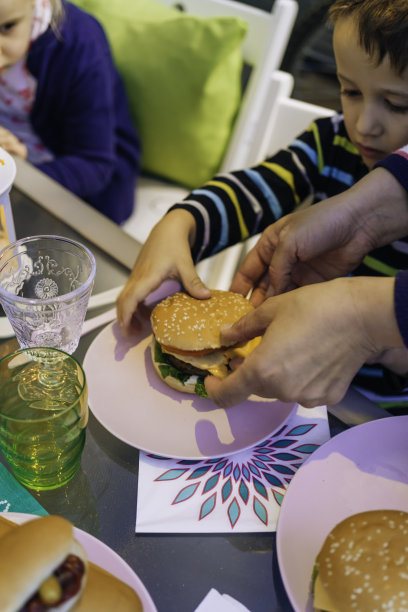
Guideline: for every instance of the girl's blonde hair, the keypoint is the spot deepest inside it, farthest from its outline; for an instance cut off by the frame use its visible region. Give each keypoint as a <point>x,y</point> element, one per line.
<point>57,13</point>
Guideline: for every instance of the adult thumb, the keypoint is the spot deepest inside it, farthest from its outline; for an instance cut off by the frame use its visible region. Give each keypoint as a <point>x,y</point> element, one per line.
<point>250,325</point>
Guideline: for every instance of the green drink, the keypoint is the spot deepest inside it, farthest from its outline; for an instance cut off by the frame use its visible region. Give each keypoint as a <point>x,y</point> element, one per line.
<point>43,416</point>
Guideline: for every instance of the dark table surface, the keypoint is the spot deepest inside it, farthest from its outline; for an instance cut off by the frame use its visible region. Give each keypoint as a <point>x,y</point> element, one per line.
<point>177,570</point>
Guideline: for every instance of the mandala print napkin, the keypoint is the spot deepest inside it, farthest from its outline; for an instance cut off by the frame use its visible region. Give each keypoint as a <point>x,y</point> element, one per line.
<point>14,497</point>
<point>237,493</point>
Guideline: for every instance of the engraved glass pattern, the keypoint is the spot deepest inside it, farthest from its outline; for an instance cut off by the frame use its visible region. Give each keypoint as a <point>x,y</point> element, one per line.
<point>45,284</point>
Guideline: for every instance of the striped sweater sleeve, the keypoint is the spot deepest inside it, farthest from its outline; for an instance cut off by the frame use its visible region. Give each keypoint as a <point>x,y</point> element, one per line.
<point>239,204</point>
<point>397,164</point>
<point>236,205</point>
<point>391,258</point>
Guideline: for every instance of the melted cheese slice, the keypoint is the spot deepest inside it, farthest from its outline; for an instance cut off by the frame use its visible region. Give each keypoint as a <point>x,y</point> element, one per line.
<point>321,600</point>
<point>216,362</point>
<point>243,350</point>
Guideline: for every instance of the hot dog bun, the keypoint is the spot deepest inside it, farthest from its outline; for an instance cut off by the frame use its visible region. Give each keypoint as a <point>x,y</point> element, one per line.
<point>101,590</point>
<point>30,554</point>
<point>106,592</point>
<point>5,526</point>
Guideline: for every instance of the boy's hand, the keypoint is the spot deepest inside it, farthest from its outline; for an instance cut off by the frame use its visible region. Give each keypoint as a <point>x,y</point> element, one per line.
<point>166,254</point>
<point>12,144</point>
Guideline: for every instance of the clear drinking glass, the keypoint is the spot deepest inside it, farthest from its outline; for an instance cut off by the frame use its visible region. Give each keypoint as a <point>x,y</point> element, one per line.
<point>42,425</point>
<point>45,285</point>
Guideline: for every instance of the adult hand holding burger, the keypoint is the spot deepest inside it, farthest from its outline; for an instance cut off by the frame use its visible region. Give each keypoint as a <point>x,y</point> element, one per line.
<point>308,353</point>
<point>318,336</point>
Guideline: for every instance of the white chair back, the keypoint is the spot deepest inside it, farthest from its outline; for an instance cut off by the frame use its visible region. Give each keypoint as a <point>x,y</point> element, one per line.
<point>289,117</point>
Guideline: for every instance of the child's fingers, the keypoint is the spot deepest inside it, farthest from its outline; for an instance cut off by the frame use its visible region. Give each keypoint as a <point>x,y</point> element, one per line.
<point>11,143</point>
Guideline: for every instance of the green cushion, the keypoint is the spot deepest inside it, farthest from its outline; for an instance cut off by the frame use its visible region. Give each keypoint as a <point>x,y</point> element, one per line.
<point>183,79</point>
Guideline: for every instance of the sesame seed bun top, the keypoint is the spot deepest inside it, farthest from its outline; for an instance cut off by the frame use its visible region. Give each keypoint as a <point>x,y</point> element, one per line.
<point>189,324</point>
<point>363,564</point>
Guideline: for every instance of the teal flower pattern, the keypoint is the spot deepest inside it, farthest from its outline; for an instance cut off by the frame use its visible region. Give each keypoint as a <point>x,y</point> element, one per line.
<point>252,479</point>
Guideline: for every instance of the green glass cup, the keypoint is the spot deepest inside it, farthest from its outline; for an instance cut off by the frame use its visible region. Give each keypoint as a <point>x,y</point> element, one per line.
<point>43,416</point>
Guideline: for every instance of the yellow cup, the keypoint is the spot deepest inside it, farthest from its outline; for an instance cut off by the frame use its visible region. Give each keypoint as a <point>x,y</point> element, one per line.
<point>43,416</point>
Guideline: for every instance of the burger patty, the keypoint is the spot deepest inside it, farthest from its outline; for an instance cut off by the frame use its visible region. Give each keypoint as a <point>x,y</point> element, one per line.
<point>186,367</point>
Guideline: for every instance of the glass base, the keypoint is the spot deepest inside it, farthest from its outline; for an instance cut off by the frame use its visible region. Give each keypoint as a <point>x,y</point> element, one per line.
<point>44,471</point>
<point>46,484</point>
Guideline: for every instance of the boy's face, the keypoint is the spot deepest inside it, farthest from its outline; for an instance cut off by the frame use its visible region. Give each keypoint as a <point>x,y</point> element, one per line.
<point>374,98</point>
<point>15,30</point>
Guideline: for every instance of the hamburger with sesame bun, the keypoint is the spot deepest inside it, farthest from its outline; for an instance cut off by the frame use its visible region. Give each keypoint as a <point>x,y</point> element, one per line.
<point>186,344</point>
<point>363,564</point>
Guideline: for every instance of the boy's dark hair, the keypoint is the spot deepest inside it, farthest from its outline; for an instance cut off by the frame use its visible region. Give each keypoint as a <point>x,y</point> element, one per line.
<point>382,26</point>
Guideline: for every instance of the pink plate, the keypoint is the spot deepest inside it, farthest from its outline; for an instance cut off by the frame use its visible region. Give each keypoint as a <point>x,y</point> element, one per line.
<point>364,468</point>
<point>101,555</point>
<point>135,405</point>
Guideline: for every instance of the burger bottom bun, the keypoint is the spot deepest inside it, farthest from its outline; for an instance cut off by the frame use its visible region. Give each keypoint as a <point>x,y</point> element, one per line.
<point>362,564</point>
<point>106,592</point>
<point>187,387</point>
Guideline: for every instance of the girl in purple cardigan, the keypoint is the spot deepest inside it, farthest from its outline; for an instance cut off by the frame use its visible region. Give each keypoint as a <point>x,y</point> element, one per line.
<point>62,103</point>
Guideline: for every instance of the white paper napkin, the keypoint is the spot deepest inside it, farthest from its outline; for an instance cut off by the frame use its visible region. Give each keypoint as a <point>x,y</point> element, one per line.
<point>215,602</point>
<point>237,493</point>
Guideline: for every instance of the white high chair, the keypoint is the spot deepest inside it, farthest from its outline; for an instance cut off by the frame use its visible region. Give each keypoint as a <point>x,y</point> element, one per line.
<point>263,49</point>
<point>287,119</point>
